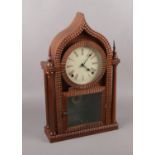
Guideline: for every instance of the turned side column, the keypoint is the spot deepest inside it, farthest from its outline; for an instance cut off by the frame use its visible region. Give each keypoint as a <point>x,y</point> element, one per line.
<point>116,61</point>
<point>48,68</point>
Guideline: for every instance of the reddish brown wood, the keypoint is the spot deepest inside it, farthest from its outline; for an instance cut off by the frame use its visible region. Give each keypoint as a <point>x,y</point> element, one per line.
<point>46,100</point>
<point>80,133</point>
<point>58,87</point>
<point>83,42</point>
<point>116,61</point>
<point>75,92</point>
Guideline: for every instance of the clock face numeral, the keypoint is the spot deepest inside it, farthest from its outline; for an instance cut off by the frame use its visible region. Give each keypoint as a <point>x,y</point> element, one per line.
<point>82,51</point>
<point>89,75</point>
<point>69,66</point>
<point>70,59</point>
<point>93,56</point>
<point>76,76</point>
<point>83,65</point>
<point>82,78</point>
<point>71,73</point>
<point>76,54</point>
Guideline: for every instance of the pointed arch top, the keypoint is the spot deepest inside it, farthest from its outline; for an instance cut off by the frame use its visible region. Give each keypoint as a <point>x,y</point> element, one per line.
<point>77,26</point>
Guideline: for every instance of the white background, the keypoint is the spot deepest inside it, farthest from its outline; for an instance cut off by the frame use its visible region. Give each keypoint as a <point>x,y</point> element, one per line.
<point>10,48</point>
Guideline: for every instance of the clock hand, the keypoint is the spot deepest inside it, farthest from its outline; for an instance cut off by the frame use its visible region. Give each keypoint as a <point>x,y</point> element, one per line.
<point>87,59</point>
<point>86,68</point>
<point>92,71</point>
<point>82,65</point>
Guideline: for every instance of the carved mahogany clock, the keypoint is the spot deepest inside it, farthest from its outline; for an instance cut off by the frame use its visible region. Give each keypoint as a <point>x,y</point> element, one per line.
<point>80,83</point>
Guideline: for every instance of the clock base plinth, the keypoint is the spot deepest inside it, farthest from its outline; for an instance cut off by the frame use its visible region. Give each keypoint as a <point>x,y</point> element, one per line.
<point>84,132</point>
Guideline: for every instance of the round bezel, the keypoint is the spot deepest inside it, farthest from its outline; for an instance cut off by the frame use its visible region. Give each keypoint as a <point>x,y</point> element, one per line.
<point>89,44</point>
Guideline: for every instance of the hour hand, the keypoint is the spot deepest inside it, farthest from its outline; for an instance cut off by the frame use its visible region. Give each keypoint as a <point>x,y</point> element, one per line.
<point>82,65</point>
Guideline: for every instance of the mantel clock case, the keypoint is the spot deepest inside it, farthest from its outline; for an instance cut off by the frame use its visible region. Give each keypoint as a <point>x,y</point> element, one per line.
<point>80,83</point>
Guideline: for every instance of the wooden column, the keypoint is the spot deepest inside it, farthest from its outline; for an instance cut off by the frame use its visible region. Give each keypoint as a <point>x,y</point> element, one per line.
<point>115,63</point>
<point>46,99</point>
<point>49,96</point>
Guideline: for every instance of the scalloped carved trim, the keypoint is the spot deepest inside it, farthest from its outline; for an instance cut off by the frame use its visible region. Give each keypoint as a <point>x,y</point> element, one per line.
<point>93,130</point>
<point>76,28</point>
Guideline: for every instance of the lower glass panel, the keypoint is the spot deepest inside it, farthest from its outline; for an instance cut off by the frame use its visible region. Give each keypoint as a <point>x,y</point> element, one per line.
<point>84,109</point>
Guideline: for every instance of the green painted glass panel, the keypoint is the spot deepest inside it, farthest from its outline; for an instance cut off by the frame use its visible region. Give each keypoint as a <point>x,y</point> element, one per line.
<point>84,109</point>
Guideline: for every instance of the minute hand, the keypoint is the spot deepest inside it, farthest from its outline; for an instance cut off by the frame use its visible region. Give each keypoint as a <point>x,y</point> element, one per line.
<point>87,59</point>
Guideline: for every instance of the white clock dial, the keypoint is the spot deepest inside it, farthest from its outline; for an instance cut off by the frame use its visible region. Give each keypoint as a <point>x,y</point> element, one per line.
<point>83,65</point>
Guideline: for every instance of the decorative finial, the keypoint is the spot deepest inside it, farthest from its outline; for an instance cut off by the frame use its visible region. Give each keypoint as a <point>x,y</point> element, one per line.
<point>114,47</point>
<point>80,13</point>
<point>114,50</point>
